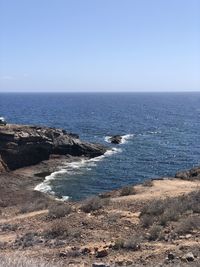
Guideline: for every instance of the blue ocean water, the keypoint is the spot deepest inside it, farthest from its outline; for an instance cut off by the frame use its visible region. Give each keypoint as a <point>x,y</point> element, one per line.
<point>161,134</point>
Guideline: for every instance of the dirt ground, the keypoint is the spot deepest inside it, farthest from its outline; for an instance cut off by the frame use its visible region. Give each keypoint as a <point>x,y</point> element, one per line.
<point>108,231</point>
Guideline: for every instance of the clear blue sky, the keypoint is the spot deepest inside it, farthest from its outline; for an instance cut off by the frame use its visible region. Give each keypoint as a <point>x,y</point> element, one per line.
<point>99,45</point>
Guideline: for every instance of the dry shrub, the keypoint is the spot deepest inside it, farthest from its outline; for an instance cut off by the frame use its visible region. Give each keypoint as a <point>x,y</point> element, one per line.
<point>132,243</point>
<point>21,260</point>
<point>146,220</point>
<point>119,244</point>
<point>58,228</point>
<point>94,204</point>
<point>188,224</point>
<point>113,217</point>
<point>148,183</point>
<point>169,214</point>
<point>128,190</point>
<point>60,210</point>
<point>154,232</point>
<point>8,227</point>
<point>38,204</point>
<point>169,209</point>
<point>27,240</point>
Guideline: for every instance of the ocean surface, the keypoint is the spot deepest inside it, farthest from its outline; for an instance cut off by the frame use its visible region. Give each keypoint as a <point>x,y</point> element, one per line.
<point>161,135</point>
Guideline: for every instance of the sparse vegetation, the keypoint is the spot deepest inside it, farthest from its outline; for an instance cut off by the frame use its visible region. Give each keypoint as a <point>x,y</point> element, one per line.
<point>128,190</point>
<point>165,210</point>
<point>27,240</point>
<point>154,232</point>
<point>59,210</point>
<point>188,224</point>
<point>38,204</point>
<point>146,220</point>
<point>8,227</point>
<point>148,183</point>
<point>22,260</point>
<point>94,204</point>
<point>58,228</point>
<point>119,244</point>
<point>132,243</point>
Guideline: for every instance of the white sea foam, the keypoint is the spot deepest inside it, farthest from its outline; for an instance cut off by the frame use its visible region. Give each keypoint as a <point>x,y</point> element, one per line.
<point>69,169</point>
<point>63,198</point>
<point>45,185</point>
<point>154,132</point>
<point>124,140</point>
<point>126,137</point>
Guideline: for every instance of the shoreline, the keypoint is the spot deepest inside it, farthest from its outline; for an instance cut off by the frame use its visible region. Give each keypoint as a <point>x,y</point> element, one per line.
<point>154,223</point>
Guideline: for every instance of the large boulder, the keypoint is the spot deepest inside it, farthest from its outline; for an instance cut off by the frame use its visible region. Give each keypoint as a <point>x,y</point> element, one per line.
<point>22,145</point>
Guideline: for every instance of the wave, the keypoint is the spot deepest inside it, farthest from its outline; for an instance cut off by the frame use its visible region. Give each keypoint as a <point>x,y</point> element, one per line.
<point>149,133</point>
<point>70,169</point>
<point>124,140</point>
<point>45,185</point>
<point>154,132</point>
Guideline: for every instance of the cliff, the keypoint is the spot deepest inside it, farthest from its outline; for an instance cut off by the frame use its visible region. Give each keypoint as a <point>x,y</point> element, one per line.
<point>23,145</point>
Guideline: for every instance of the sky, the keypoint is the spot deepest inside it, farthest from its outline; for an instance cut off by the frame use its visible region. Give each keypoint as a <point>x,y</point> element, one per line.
<point>99,45</point>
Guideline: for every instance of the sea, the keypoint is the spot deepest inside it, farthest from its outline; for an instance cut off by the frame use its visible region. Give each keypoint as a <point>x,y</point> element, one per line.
<point>161,135</point>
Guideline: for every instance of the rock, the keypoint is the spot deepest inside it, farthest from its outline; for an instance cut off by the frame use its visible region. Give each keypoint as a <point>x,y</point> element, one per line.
<point>192,174</point>
<point>188,236</point>
<point>100,264</point>
<point>86,251</point>
<point>170,256</point>
<point>101,253</point>
<point>22,145</point>
<point>188,257</point>
<point>129,262</point>
<point>115,139</point>
<point>120,262</point>
<point>63,254</point>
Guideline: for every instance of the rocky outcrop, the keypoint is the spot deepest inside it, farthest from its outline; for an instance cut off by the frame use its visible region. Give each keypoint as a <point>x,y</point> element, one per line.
<point>192,174</point>
<point>115,139</point>
<point>22,145</point>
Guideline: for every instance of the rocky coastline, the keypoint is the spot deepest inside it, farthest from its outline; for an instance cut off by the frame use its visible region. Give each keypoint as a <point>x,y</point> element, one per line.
<point>23,145</point>
<point>152,224</point>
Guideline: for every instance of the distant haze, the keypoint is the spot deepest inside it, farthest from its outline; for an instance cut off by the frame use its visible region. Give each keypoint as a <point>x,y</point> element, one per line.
<point>99,45</point>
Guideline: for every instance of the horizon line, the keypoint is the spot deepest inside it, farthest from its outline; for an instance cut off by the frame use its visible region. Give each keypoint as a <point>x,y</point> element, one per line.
<point>99,92</point>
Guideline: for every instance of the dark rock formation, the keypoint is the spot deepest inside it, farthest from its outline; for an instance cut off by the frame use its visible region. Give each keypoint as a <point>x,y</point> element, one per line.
<point>22,145</point>
<point>192,174</point>
<point>115,139</point>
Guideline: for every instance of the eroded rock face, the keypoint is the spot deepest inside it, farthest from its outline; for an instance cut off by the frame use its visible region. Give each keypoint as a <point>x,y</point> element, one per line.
<point>27,145</point>
<point>193,174</point>
<point>115,139</point>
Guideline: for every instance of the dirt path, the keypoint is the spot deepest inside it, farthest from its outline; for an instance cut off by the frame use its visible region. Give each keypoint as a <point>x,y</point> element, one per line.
<point>23,216</point>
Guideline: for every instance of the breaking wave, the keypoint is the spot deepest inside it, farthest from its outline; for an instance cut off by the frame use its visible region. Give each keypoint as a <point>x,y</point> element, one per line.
<point>70,169</point>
